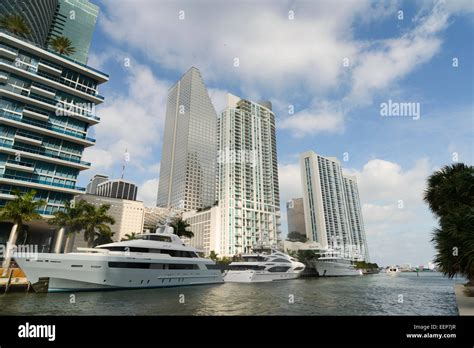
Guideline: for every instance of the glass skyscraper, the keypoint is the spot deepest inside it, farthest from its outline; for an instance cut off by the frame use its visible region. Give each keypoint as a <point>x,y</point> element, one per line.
<point>187,173</point>
<point>38,14</point>
<point>75,19</point>
<point>249,197</point>
<point>46,109</point>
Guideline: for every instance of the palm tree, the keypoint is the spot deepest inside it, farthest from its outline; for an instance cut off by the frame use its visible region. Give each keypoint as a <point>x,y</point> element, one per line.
<point>213,255</point>
<point>96,223</point>
<point>15,24</point>
<point>62,45</point>
<point>103,237</point>
<point>180,227</point>
<point>70,219</point>
<point>20,210</point>
<point>129,236</point>
<point>450,196</point>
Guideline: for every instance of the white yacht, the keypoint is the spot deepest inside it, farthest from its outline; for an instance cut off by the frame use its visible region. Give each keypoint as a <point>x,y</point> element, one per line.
<point>332,264</point>
<point>151,260</point>
<point>264,265</point>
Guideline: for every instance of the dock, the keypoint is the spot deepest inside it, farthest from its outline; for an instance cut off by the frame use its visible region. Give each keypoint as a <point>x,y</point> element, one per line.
<point>15,281</point>
<point>464,299</point>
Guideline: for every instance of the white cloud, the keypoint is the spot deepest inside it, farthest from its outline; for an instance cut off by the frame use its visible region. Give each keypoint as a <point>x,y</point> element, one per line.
<point>147,192</point>
<point>131,120</point>
<point>283,58</point>
<point>322,118</point>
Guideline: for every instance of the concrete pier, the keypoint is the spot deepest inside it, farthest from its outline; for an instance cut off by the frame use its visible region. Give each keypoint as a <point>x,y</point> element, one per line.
<point>464,299</point>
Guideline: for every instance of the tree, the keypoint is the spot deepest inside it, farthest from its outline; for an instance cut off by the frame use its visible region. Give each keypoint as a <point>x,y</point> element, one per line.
<point>103,237</point>
<point>62,45</point>
<point>213,255</point>
<point>15,24</point>
<point>450,196</point>
<point>180,227</point>
<point>20,210</point>
<point>70,218</point>
<point>296,237</point>
<point>129,236</point>
<point>96,223</point>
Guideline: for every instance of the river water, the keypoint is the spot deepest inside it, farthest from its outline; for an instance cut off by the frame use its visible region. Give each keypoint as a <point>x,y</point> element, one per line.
<point>379,294</point>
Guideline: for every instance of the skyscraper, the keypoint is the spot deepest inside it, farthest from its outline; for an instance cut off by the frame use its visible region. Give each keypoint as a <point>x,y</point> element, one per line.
<point>46,109</point>
<point>295,216</point>
<point>331,219</point>
<point>38,15</point>
<point>188,174</point>
<point>356,222</point>
<point>249,196</point>
<point>75,19</point>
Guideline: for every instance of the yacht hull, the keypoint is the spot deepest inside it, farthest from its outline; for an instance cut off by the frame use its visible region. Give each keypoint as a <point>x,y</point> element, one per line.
<point>76,272</point>
<point>257,276</point>
<point>335,269</point>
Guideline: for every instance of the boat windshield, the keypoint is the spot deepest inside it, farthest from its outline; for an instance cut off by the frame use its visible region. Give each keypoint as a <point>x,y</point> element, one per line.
<point>246,267</point>
<point>157,238</point>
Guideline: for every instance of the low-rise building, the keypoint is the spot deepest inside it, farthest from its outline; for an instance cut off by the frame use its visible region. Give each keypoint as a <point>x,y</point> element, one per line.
<point>205,224</point>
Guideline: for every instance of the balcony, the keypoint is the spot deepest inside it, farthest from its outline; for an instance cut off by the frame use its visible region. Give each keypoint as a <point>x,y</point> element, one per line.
<point>42,90</point>
<point>8,52</point>
<point>3,78</point>
<point>17,120</point>
<point>28,139</point>
<point>49,104</point>
<point>34,114</point>
<point>20,166</point>
<point>50,68</point>
<point>41,184</point>
<point>33,73</point>
<point>41,154</point>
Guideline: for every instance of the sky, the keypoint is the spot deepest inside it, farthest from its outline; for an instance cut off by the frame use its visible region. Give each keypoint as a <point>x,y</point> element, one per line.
<point>329,68</point>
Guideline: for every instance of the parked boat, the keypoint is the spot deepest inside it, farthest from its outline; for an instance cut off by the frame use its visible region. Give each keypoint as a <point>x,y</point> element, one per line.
<point>151,260</point>
<point>332,264</point>
<point>264,265</point>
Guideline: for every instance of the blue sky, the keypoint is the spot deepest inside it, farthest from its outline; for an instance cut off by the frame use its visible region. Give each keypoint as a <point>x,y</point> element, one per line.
<point>334,62</point>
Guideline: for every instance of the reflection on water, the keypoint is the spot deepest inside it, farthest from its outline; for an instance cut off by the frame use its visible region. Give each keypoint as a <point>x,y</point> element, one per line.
<point>381,294</point>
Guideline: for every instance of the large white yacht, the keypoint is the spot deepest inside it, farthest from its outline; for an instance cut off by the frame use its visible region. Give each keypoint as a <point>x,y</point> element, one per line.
<point>151,260</point>
<point>264,265</point>
<point>332,264</point>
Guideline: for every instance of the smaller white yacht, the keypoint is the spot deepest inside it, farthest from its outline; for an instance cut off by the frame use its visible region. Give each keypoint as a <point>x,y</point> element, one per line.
<point>332,264</point>
<point>392,270</point>
<point>264,265</point>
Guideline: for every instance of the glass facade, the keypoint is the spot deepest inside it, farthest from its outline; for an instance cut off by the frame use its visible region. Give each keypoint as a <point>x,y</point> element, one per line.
<point>75,19</point>
<point>44,120</point>
<point>187,173</point>
<point>38,14</point>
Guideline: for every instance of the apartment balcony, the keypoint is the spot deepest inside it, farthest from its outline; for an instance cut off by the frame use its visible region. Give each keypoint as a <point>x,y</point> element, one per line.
<point>8,52</point>
<point>3,78</point>
<point>42,90</point>
<point>27,139</point>
<point>43,156</point>
<point>40,184</point>
<point>35,114</point>
<point>20,166</point>
<point>52,105</point>
<point>50,68</point>
<point>16,120</point>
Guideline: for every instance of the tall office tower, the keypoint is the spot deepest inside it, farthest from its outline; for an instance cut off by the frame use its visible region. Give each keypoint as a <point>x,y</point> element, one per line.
<point>295,216</point>
<point>38,15</point>
<point>249,197</point>
<point>46,109</point>
<point>118,188</point>
<point>188,158</point>
<point>356,222</point>
<point>326,207</point>
<point>75,19</point>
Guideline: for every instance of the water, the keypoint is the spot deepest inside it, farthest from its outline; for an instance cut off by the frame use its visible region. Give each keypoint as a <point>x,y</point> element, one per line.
<point>428,294</point>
